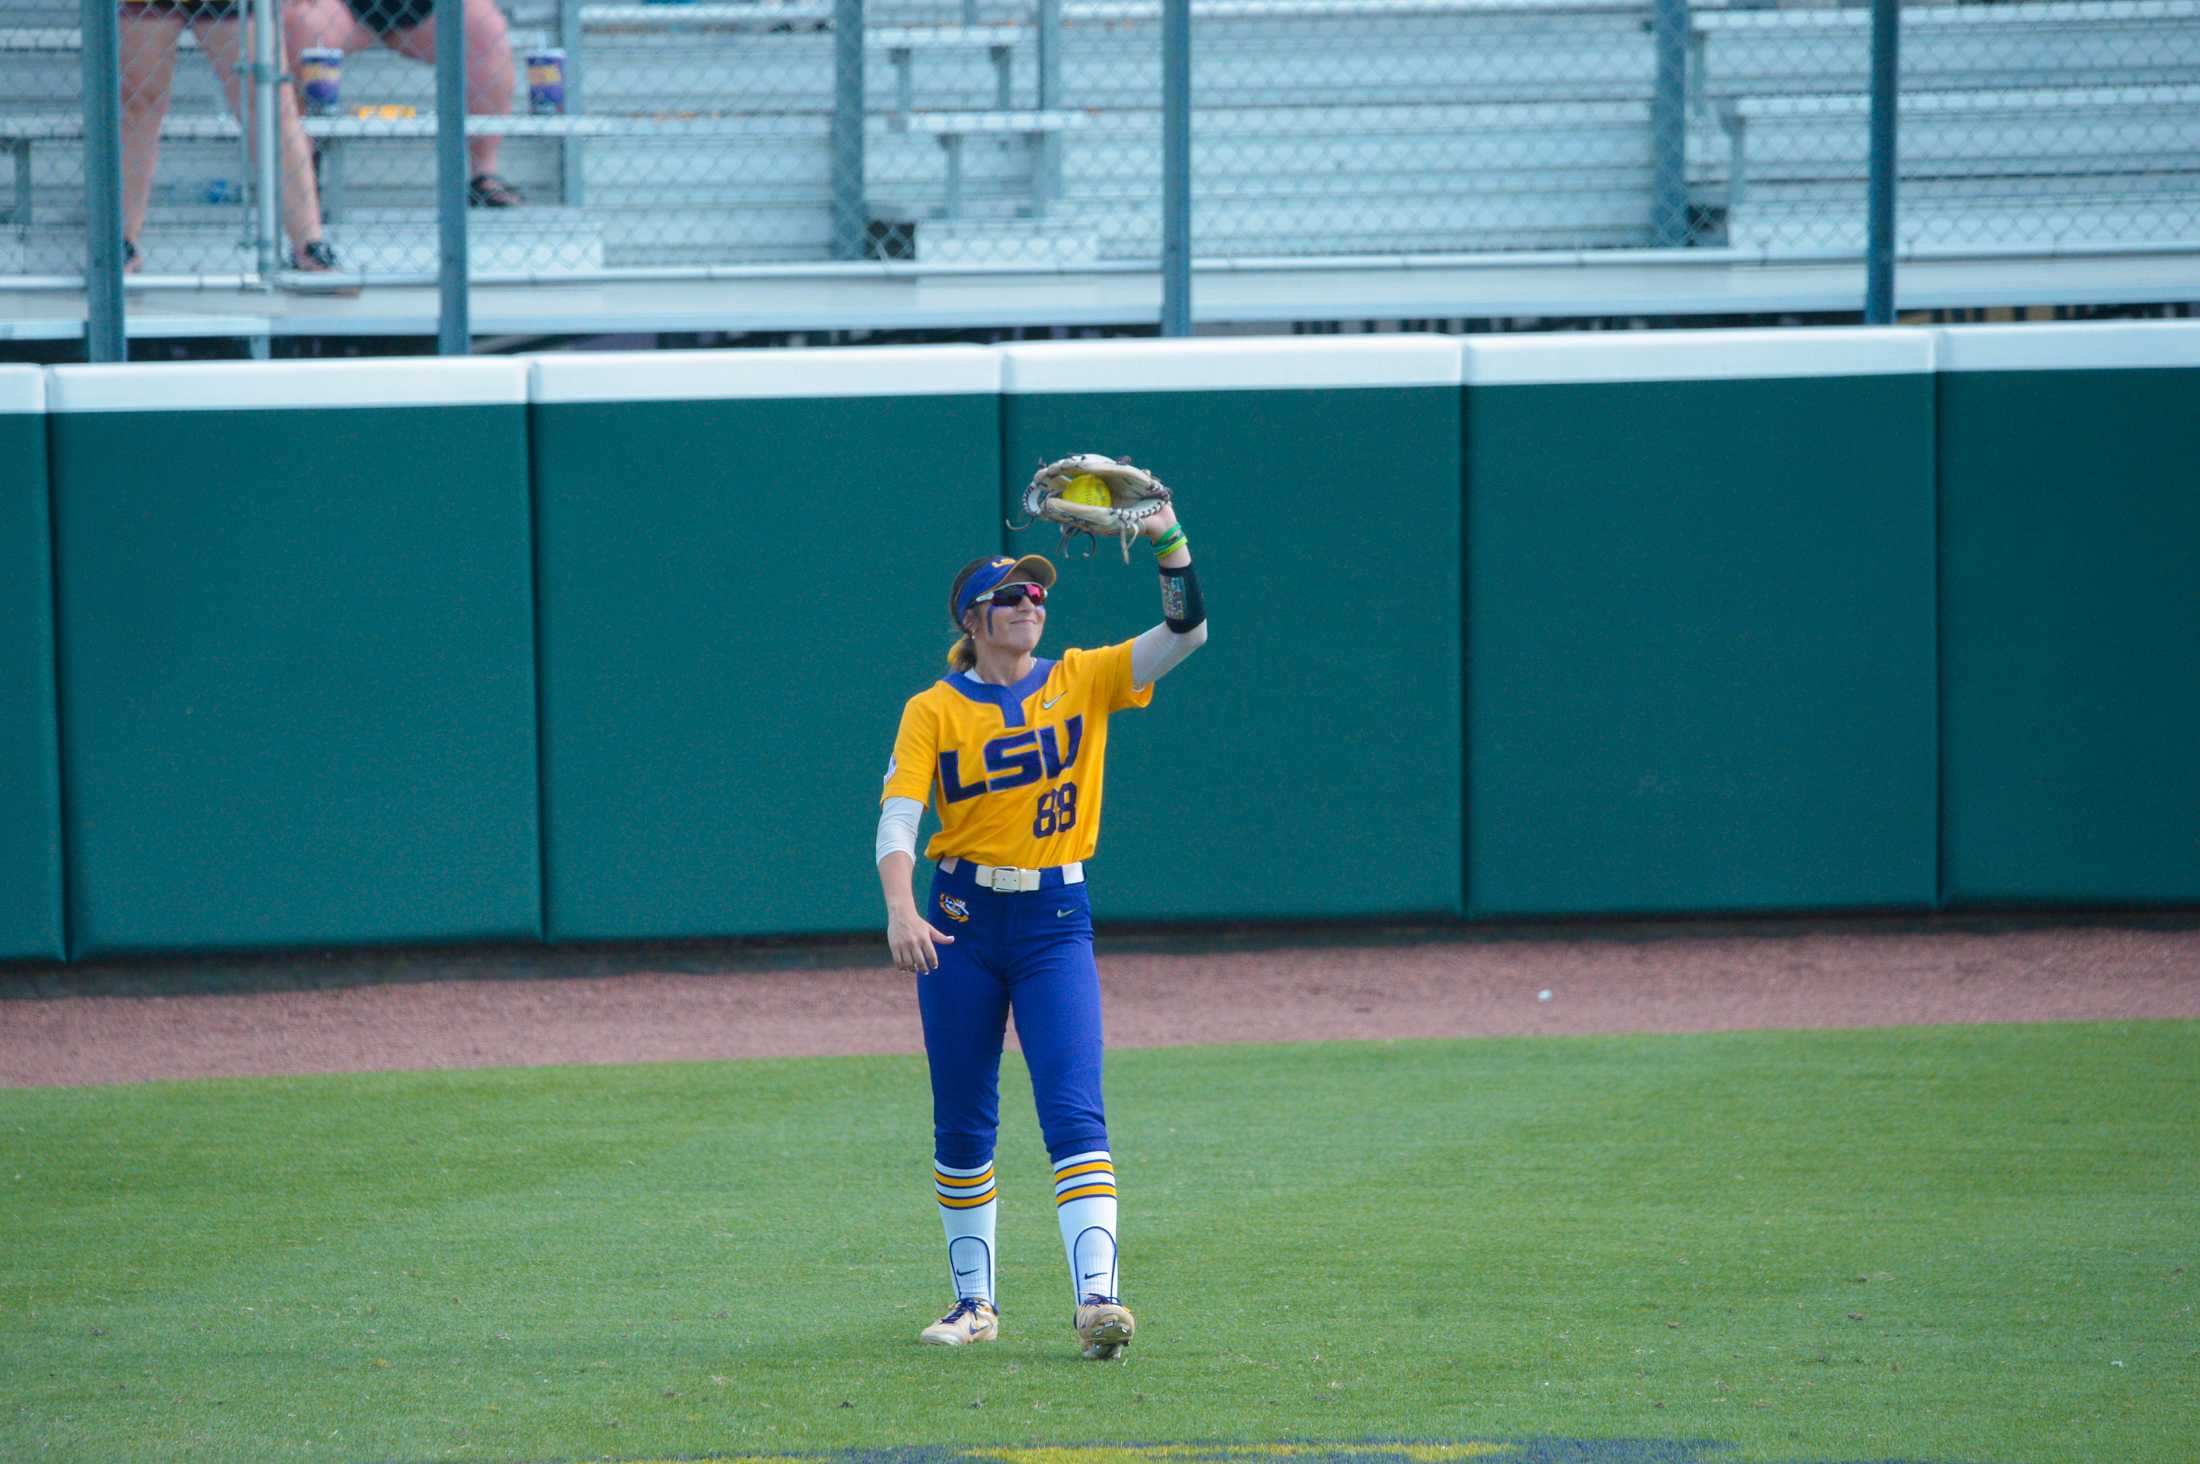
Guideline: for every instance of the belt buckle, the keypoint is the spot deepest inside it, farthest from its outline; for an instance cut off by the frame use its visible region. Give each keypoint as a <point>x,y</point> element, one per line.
<point>1006,881</point>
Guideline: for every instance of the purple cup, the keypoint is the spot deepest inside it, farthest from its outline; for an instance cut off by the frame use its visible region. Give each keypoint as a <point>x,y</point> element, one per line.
<point>546,81</point>
<point>321,79</point>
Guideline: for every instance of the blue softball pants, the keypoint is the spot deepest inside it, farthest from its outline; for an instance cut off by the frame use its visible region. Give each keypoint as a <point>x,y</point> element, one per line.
<point>1029,953</point>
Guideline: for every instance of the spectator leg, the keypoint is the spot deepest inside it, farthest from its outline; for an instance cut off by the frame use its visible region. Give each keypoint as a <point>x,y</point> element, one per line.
<point>327,24</point>
<point>223,42</point>
<point>490,74</point>
<point>324,23</point>
<point>148,56</point>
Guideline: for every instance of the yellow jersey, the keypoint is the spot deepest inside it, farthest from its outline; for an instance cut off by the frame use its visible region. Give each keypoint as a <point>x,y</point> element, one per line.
<point>1017,768</point>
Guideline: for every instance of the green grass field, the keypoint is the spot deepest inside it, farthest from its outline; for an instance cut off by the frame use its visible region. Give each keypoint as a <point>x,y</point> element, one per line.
<point>1943,1244</point>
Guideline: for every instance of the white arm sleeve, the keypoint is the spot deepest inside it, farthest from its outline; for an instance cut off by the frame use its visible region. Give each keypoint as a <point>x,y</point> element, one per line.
<point>1158,650</point>
<point>897,827</point>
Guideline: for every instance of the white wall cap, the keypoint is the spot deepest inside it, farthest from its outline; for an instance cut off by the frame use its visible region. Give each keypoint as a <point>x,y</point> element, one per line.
<point>1694,355</point>
<point>247,385</point>
<point>1230,363</point>
<point>854,371</point>
<point>2070,346</point>
<point>22,388</point>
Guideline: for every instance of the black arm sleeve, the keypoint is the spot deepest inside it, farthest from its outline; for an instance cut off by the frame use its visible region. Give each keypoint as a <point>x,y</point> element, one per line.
<point>1182,606</point>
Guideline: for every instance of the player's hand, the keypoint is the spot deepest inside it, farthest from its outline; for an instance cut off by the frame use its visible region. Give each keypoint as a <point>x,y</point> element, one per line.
<point>1154,525</point>
<point>910,937</point>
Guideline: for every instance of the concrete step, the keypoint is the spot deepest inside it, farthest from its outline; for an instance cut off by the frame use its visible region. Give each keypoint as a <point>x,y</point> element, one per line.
<point>2033,220</point>
<point>377,241</point>
<point>1006,241</point>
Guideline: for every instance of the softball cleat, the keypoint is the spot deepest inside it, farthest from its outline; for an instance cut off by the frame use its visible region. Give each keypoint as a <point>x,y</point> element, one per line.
<point>970,1321</point>
<point>1104,1327</point>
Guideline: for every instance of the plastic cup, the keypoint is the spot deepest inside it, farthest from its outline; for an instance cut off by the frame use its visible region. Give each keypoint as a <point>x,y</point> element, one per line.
<point>321,79</point>
<point>546,81</point>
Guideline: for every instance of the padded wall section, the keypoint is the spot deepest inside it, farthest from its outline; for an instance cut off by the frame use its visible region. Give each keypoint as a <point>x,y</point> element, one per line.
<point>2071,613</point>
<point>1305,763</point>
<point>30,774</point>
<point>744,566</point>
<point>1700,660</point>
<point>296,654</point>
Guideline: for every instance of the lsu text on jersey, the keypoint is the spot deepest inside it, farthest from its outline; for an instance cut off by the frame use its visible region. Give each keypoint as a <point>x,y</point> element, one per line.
<point>1015,770</point>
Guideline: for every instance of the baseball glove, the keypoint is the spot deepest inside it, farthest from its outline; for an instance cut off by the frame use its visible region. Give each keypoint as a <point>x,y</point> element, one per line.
<point>1066,492</point>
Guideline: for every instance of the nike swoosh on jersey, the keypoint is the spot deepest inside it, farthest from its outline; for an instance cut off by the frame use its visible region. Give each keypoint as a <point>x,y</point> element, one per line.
<point>1046,706</point>
<point>1072,910</point>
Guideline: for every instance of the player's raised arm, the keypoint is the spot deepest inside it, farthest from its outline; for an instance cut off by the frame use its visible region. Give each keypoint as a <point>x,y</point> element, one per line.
<point>1183,628</point>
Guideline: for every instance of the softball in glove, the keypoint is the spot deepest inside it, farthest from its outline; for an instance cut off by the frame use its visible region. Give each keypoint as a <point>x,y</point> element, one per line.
<point>1069,491</point>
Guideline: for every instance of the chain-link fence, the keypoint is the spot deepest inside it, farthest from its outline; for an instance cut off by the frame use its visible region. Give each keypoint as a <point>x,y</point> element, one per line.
<point>192,172</point>
<point>184,157</point>
<point>941,131</point>
<point>610,139</point>
<point>947,132</point>
<point>42,114</point>
<point>1342,127</point>
<point>2065,125</point>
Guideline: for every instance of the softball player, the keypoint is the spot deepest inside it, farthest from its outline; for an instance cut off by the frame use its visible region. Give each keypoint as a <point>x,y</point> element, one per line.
<point>1015,746</point>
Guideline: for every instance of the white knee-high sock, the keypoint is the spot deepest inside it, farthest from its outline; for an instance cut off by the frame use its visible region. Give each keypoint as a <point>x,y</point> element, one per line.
<point>1084,1201</point>
<point>968,1205</point>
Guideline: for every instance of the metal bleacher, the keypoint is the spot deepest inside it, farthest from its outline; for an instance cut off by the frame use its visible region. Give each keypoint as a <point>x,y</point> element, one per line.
<point>1326,130</point>
<point>1429,138</point>
<point>2045,125</point>
<point>1435,136</point>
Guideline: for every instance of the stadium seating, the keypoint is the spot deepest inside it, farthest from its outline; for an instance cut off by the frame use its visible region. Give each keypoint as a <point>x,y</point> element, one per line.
<point>1325,127</point>
<point>2098,164</point>
<point>2054,123</point>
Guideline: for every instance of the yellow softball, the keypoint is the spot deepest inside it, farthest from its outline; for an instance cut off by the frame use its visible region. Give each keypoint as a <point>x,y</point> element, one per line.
<point>1086,488</point>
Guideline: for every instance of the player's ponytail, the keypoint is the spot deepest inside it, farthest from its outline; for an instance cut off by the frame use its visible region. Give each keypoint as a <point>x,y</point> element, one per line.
<point>963,655</point>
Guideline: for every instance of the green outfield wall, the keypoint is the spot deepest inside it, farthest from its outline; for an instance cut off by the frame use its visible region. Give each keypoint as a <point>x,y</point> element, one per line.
<point>744,562</point>
<point>1699,622</point>
<point>2070,613</point>
<point>296,654</point>
<point>613,647</point>
<point>1306,763</point>
<point>30,771</point>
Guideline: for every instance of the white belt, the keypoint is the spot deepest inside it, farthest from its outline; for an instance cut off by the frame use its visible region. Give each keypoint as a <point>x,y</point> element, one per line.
<point>1007,879</point>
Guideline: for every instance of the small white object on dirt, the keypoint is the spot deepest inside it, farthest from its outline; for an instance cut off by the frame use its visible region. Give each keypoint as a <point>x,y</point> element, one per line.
<point>1544,994</point>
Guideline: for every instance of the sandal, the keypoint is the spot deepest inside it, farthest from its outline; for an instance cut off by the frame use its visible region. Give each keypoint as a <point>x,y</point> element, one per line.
<point>487,190</point>
<point>319,258</point>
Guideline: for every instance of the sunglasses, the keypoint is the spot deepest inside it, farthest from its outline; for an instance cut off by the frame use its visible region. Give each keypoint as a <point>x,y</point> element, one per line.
<point>1013,595</point>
